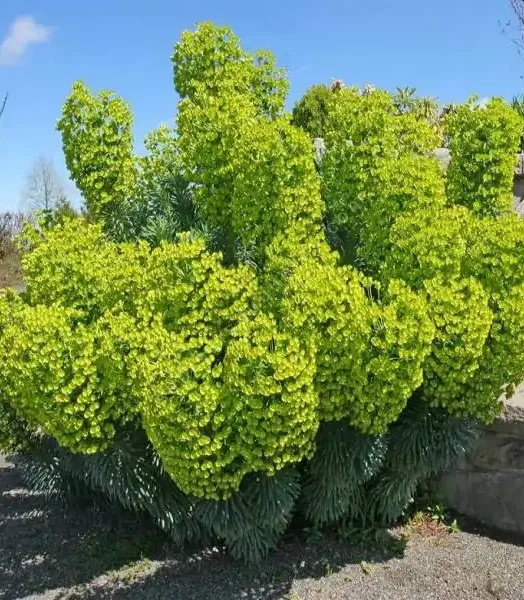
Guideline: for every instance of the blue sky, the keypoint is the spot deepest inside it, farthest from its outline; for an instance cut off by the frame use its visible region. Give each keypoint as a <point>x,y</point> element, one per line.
<point>450,50</point>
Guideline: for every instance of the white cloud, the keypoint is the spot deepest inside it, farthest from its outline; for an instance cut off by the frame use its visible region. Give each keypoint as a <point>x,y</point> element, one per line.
<point>22,33</point>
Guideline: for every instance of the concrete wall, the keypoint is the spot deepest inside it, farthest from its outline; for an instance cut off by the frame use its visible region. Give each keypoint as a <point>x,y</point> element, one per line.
<point>518,192</point>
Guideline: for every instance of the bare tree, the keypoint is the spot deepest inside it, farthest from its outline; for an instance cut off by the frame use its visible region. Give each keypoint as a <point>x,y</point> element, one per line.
<point>514,28</point>
<point>11,224</point>
<point>44,190</point>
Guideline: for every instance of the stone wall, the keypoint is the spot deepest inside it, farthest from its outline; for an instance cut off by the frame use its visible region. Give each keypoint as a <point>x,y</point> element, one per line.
<point>488,485</point>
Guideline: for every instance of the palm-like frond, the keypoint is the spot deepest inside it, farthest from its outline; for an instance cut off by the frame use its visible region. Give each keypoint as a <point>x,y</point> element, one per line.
<point>423,442</point>
<point>253,520</point>
<point>345,460</point>
<point>129,474</point>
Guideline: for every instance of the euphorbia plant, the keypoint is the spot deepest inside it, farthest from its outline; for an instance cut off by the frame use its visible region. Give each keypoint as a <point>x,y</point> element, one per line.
<point>300,340</point>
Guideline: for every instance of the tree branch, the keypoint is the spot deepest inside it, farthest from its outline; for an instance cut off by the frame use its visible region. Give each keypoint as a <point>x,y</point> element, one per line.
<point>3,104</point>
<point>518,8</point>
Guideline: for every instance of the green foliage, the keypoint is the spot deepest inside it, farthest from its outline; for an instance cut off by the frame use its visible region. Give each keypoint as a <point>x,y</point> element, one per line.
<point>252,521</point>
<point>500,367</point>
<point>345,460</point>
<point>421,443</point>
<point>15,431</point>
<point>134,196</point>
<point>405,99</point>
<point>210,61</point>
<point>128,474</point>
<point>62,211</point>
<point>312,112</point>
<point>422,248</point>
<point>162,160</point>
<point>235,335</point>
<point>75,266</point>
<point>369,355</point>
<point>196,347</point>
<point>386,194</point>
<point>495,253</point>
<point>226,392</point>
<point>98,147</point>
<point>231,111</point>
<point>165,210</point>
<point>68,379</point>
<point>163,206</point>
<point>378,164</point>
<point>461,313</point>
<point>423,108</point>
<point>484,143</point>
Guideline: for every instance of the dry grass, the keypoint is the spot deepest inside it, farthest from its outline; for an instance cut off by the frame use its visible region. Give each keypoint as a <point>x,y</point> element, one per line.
<point>423,524</point>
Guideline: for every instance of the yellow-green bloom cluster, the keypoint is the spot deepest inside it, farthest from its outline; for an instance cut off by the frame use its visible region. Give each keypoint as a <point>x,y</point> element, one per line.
<point>483,145</point>
<point>254,171</point>
<point>65,377</point>
<point>215,411</point>
<point>97,140</point>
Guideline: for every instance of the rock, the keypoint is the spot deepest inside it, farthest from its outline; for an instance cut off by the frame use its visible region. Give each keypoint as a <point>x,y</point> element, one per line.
<point>488,485</point>
<point>494,498</point>
<point>496,452</point>
<point>511,421</point>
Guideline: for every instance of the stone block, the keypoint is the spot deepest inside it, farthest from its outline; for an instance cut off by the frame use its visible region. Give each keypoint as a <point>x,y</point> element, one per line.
<point>494,498</point>
<point>511,421</point>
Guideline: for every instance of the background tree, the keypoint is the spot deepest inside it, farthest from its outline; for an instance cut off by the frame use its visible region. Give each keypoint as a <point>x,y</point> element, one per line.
<point>44,189</point>
<point>405,99</point>
<point>314,111</point>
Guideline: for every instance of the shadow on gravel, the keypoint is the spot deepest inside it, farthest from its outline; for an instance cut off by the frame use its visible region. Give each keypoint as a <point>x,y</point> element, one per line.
<point>44,546</point>
<point>72,553</point>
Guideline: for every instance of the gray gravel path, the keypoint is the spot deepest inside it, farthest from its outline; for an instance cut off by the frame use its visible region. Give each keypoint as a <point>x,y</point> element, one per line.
<point>51,553</point>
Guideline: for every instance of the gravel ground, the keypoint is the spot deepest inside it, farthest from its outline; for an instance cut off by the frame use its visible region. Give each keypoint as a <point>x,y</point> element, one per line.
<point>50,553</point>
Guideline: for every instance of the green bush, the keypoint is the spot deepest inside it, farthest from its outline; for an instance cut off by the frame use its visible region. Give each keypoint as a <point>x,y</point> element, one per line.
<point>483,143</point>
<point>271,338</point>
<point>378,165</point>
